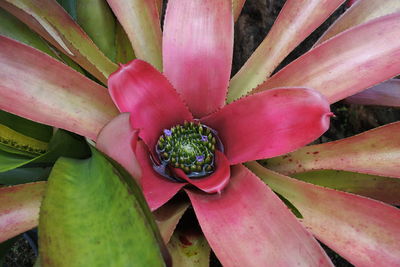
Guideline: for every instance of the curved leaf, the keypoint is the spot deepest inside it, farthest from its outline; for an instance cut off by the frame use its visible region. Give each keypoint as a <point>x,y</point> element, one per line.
<point>94,212</point>
<point>364,231</point>
<point>50,20</point>
<point>297,20</point>
<point>19,208</point>
<point>348,63</point>
<point>375,152</point>
<point>141,22</point>
<point>360,12</point>
<point>38,87</point>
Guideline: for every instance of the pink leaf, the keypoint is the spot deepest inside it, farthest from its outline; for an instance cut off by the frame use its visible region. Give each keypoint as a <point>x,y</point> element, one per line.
<point>348,63</point>
<point>36,86</point>
<point>19,208</point>
<point>248,225</point>
<point>364,231</point>
<point>374,152</point>
<point>156,189</point>
<point>384,94</point>
<point>118,140</point>
<point>297,20</point>
<point>154,105</point>
<point>197,51</point>
<point>270,123</point>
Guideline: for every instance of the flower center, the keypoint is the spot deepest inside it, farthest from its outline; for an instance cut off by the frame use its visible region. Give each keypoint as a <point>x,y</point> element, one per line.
<point>189,147</point>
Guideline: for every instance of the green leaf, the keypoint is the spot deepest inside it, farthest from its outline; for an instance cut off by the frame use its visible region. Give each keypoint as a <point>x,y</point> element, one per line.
<point>70,7</point>
<point>97,216</point>
<point>24,175</point>
<point>98,21</point>
<point>124,48</point>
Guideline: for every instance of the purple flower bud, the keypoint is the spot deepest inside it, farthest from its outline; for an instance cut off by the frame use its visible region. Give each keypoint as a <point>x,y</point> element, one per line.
<point>200,158</point>
<point>168,132</point>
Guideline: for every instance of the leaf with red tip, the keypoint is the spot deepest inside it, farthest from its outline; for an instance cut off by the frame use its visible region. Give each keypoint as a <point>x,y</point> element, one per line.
<point>270,123</point>
<point>140,89</point>
<point>197,51</point>
<point>53,23</point>
<point>386,189</point>
<point>248,225</point>
<point>118,141</point>
<point>215,182</point>
<point>168,216</point>
<point>375,152</point>
<point>189,248</point>
<point>156,189</point>
<point>35,86</point>
<point>364,231</point>
<point>384,94</point>
<point>359,13</point>
<point>19,208</point>
<point>141,22</point>
<point>297,20</point>
<point>348,63</point>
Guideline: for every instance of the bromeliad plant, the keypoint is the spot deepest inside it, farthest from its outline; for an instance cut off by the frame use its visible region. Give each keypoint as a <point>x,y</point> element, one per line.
<point>176,133</point>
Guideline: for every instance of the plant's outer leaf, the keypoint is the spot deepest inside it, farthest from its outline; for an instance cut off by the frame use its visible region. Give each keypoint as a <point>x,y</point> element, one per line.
<point>15,29</point>
<point>62,144</point>
<point>384,94</point>
<point>248,225</point>
<point>341,67</point>
<point>137,87</point>
<point>189,248</point>
<point>159,5</point>
<point>364,231</point>
<point>19,208</point>
<point>168,216</point>
<point>124,50</point>
<point>375,152</point>
<point>359,13</point>
<point>156,189</point>
<point>98,21</point>
<point>288,31</point>
<point>14,142</point>
<point>50,20</point>
<point>246,140</point>
<point>24,175</point>
<point>197,52</point>
<point>141,22</point>
<point>26,127</point>
<point>36,86</point>
<point>381,188</point>
<point>237,6</point>
<point>118,141</point>
<point>91,214</point>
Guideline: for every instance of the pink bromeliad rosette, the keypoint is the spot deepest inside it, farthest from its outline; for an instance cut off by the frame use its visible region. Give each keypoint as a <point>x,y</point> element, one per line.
<point>177,127</point>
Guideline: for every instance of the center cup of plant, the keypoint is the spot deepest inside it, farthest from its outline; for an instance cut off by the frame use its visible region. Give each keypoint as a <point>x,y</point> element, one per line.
<point>189,147</point>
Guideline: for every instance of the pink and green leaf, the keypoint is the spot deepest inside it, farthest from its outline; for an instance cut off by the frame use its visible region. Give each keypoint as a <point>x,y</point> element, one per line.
<point>375,152</point>
<point>386,189</point>
<point>384,94</point>
<point>252,127</point>
<point>19,208</point>
<point>197,54</point>
<point>364,231</point>
<point>124,50</point>
<point>38,87</point>
<point>360,12</point>
<point>348,63</point>
<point>63,32</point>
<point>297,20</point>
<point>189,248</point>
<point>247,214</point>
<point>140,20</point>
